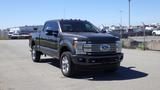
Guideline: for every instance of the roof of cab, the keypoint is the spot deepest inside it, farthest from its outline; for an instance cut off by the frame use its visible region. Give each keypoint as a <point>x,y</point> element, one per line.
<point>57,20</point>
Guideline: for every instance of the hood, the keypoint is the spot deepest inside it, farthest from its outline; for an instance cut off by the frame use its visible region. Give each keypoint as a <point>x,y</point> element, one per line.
<point>93,37</point>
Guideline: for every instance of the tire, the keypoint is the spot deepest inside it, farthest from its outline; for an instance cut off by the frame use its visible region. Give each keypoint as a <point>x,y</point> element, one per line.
<point>36,56</point>
<point>66,64</point>
<point>154,34</point>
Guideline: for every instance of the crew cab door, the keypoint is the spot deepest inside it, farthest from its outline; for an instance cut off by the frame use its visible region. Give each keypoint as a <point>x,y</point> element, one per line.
<point>50,39</point>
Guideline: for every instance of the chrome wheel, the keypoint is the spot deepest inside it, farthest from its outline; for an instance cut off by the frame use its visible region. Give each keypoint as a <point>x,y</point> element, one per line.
<point>65,64</point>
<point>35,55</point>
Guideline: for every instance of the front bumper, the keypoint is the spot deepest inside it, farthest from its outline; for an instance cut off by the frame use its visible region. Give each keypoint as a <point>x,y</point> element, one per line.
<point>97,60</point>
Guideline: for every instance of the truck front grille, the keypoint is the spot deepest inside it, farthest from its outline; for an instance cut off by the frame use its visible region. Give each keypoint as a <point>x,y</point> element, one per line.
<point>96,48</point>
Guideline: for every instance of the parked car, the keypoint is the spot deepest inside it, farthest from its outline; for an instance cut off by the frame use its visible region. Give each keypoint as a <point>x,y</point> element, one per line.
<point>135,32</point>
<point>148,32</point>
<point>118,33</point>
<point>155,32</point>
<point>139,32</point>
<point>78,45</point>
<point>21,34</point>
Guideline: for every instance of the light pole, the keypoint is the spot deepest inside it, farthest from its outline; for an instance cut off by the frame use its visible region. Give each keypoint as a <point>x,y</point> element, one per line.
<point>144,36</point>
<point>121,26</point>
<point>121,17</point>
<point>129,22</point>
<point>64,13</point>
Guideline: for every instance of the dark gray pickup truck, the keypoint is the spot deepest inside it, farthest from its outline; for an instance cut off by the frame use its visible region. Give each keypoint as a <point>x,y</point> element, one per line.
<point>78,45</point>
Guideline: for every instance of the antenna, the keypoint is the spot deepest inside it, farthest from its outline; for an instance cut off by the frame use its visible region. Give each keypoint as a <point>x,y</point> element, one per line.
<point>64,13</point>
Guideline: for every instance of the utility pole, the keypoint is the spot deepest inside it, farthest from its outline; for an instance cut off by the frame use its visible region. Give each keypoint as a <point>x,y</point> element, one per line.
<point>129,22</point>
<point>144,36</point>
<point>121,26</point>
<point>121,17</point>
<point>64,13</point>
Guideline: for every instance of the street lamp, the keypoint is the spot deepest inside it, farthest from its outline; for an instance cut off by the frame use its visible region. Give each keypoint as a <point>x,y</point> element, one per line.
<point>64,13</point>
<point>121,17</point>
<point>121,26</point>
<point>129,22</point>
<point>144,36</point>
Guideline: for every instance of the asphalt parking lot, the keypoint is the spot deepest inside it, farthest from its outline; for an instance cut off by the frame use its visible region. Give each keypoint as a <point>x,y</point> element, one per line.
<point>139,71</point>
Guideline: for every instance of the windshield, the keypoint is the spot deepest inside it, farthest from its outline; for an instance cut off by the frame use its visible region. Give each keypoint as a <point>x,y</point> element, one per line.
<point>78,26</point>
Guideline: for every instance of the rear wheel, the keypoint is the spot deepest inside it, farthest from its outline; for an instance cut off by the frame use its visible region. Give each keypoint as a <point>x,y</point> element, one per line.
<point>154,34</point>
<point>35,55</point>
<point>67,66</point>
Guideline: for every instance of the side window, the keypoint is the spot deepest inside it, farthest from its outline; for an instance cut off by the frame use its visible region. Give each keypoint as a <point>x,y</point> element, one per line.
<point>67,28</point>
<point>51,26</point>
<point>45,26</point>
<point>88,26</point>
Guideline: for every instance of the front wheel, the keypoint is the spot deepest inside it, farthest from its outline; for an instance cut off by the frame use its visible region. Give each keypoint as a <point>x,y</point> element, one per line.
<point>67,66</point>
<point>35,55</point>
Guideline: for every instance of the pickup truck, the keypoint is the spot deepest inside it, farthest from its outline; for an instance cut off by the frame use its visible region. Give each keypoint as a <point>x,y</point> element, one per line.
<point>156,32</point>
<point>78,45</point>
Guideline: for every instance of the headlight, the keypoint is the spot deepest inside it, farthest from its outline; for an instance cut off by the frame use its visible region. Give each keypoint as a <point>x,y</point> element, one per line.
<point>78,46</point>
<point>118,46</point>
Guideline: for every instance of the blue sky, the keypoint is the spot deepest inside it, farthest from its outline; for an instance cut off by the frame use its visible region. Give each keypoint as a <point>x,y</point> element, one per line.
<point>107,12</point>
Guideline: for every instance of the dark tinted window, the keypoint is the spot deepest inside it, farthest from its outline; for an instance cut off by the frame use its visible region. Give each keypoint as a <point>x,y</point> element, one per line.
<point>77,26</point>
<point>26,31</point>
<point>51,26</point>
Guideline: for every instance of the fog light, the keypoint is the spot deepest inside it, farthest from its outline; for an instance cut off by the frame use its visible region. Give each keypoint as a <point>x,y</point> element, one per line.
<point>81,60</point>
<point>92,61</point>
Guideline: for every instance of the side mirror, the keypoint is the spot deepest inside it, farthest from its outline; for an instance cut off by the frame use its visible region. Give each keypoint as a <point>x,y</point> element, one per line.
<point>55,33</point>
<point>49,32</point>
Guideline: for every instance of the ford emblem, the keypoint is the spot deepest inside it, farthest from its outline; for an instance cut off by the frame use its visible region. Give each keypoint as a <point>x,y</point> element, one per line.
<point>105,47</point>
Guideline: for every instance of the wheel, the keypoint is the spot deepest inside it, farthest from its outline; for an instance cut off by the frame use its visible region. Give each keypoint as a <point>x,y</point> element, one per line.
<point>35,55</point>
<point>154,34</point>
<point>67,66</point>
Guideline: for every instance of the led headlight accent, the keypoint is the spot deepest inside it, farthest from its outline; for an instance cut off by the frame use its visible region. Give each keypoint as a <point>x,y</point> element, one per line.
<point>118,46</point>
<point>78,45</point>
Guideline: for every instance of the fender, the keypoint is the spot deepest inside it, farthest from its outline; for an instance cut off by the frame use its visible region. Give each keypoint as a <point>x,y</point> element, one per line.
<point>68,44</point>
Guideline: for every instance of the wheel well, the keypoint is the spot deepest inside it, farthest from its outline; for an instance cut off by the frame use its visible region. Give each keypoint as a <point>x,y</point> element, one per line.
<point>32,44</point>
<point>154,33</point>
<point>63,49</point>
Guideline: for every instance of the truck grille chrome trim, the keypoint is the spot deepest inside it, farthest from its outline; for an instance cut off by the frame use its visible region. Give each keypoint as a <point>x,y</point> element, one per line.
<point>111,47</point>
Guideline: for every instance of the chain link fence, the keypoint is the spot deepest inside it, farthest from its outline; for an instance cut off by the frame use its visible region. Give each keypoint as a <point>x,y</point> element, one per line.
<point>144,43</point>
<point>3,35</point>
